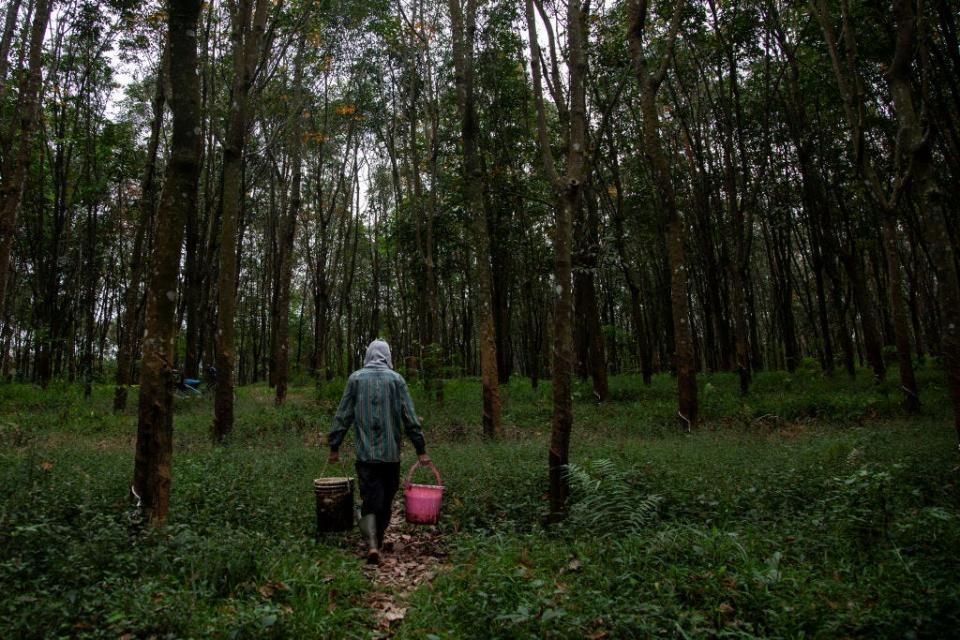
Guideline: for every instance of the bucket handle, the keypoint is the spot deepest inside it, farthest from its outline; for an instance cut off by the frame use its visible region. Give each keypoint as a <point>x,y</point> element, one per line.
<point>433,467</point>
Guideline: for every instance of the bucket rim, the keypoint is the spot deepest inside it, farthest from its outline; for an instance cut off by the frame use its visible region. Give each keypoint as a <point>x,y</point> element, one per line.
<point>433,487</point>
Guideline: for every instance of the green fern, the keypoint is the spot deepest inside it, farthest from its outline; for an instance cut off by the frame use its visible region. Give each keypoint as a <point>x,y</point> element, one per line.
<point>604,502</point>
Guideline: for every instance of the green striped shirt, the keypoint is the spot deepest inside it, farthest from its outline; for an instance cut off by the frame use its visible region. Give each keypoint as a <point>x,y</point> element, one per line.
<point>377,402</point>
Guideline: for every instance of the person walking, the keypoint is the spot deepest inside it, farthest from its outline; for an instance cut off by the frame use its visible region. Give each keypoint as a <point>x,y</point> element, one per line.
<point>377,402</point>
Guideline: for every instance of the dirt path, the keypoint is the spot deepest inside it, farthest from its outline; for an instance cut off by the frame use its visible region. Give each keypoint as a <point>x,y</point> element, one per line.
<point>418,555</point>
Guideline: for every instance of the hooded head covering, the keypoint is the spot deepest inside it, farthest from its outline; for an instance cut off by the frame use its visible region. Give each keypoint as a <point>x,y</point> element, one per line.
<point>378,356</point>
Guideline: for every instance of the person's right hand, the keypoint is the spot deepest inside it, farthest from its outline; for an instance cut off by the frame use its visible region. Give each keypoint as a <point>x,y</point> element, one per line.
<point>334,457</point>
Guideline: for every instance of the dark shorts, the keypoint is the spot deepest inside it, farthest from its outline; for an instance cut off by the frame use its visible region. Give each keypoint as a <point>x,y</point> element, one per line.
<point>379,482</point>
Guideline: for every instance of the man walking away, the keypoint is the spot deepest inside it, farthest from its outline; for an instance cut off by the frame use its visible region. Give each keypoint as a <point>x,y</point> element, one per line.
<point>377,402</point>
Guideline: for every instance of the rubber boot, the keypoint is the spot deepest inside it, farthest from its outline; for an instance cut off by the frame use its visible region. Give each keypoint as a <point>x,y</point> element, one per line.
<point>368,527</point>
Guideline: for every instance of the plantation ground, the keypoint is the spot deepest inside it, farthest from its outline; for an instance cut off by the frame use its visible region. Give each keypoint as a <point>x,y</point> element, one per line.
<point>813,508</point>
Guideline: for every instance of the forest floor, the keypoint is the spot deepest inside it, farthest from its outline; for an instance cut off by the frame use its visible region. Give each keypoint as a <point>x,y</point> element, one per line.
<point>813,507</point>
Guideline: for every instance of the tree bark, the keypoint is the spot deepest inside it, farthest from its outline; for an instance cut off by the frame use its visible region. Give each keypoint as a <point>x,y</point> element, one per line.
<point>178,200</point>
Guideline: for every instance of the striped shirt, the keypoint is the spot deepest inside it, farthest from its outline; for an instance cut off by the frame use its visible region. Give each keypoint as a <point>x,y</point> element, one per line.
<point>377,402</point>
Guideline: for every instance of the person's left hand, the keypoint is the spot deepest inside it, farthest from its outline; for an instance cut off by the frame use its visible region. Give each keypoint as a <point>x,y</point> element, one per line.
<point>423,459</point>
<point>334,457</point>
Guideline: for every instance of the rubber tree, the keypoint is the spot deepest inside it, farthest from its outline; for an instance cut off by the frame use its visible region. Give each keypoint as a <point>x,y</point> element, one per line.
<point>567,188</point>
<point>178,200</point>
<point>248,24</point>
<point>464,28</point>
<point>18,142</point>
<point>148,202</point>
<point>287,233</point>
<point>887,199</point>
<point>915,147</point>
<point>649,81</point>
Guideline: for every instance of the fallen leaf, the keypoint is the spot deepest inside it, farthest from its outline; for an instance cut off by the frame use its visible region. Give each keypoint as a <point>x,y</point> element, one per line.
<point>46,465</point>
<point>395,614</point>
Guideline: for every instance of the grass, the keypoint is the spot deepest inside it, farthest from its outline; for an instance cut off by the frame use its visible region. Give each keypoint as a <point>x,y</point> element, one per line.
<point>814,507</point>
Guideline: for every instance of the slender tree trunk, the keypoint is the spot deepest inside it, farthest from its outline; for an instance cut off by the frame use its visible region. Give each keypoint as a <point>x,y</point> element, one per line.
<point>740,328</point>
<point>193,281</point>
<point>246,37</point>
<point>132,297</point>
<point>6,334</point>
<point>9,26</point>
<point>649,83</point>
<point>781,248</point>
<point>898,306</point>
<point>201,235</point>
<point>846,341</point>
<point>281,321</point>
<point>851,89</point>
<point>423,219</point>
<point>585,295</point>
<point>872,342</point>
<point>17,158</point>
<point>916,148</point>
<point>823,317</point>
<point>633,279</point>
<point>178,200</point>
<point>568,196</point>
<point>90,272</point>
<point>463,38</point>
<point>738,235</point>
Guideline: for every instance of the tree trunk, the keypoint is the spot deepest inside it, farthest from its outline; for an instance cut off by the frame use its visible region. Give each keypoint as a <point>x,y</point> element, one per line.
<point>740,329</point>
<point>872,342</point>
<point>90,277</point>
<point>568,197</point>
<point>916,149</point>
<point>9,26</point>
<point>132,297</point>
<point>178,200</point>
<point>585,297</point>
<point>649,84</point>
<point>17,158</point>
<point>287,233</point>
<point>851,89</point>
<point>640,329</point>
<point>192,286</point>
<point>898,306</point>
<point>464,28</point>
<point>246,38</point>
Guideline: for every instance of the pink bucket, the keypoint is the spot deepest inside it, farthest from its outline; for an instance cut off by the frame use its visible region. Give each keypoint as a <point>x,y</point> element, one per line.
<point>422,501</point>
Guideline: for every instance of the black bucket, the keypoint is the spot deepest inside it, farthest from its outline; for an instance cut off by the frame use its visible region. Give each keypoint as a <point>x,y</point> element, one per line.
<point>334,504</point>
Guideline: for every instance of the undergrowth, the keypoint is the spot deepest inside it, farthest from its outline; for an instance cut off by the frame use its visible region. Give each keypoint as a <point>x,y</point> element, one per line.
<point>814,507</point>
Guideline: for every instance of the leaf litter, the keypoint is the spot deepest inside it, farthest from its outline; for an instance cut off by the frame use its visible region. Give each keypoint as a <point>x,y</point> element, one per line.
<point>412,556</point>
